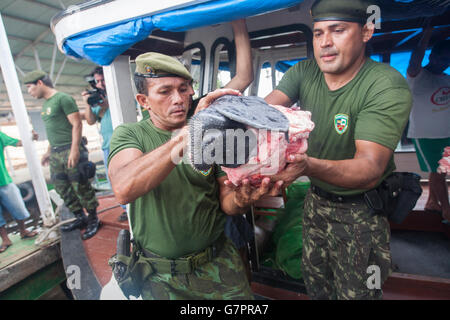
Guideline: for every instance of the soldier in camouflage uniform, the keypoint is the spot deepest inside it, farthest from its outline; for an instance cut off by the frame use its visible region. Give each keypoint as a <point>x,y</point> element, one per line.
<point>66,151</point>
<point>360,108</point>
<point>177,214</point>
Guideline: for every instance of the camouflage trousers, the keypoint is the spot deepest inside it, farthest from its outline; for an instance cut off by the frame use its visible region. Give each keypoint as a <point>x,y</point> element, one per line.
<point>223,278</point>
<point>340,242</point>
<point>76,195</point>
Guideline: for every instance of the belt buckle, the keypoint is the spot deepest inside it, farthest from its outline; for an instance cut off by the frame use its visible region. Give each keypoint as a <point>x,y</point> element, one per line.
<point>173,267</point>
<point>190,264</point>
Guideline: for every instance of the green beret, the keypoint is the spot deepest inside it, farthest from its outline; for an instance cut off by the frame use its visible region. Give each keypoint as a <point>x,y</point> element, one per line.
<point>157,65</point>
<point>33,76</point>
<point>340,10</point>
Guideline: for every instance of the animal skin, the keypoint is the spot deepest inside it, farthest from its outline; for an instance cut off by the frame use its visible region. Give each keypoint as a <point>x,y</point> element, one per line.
<point>273,149</point>
<point>247,137</point>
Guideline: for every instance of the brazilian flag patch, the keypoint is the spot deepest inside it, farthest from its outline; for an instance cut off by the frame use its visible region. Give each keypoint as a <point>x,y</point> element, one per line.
<point>341,123</point>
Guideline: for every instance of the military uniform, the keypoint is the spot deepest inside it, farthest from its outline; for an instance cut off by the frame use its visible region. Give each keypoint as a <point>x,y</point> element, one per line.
<point>180,251</point>
<point>76,193</point>
<point>341,236</point>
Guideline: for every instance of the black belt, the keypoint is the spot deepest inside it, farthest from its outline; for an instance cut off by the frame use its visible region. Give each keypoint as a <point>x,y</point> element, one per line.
<point>337,198</point>
<point>61,148</point>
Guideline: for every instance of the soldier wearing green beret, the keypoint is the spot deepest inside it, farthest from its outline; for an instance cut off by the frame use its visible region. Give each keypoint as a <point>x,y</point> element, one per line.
<point>177,214</point>
<point>63,126</point>
<point>360,109</point>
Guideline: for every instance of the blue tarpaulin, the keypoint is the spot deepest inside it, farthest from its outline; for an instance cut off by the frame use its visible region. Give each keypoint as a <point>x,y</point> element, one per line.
<point>103,45</point>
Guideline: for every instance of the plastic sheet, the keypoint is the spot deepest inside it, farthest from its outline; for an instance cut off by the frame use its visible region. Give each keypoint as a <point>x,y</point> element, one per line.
<point>286,251</point>
<point>103,45</point>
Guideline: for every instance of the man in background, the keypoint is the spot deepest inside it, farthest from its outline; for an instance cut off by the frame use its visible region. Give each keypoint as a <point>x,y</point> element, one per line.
<point>63,127</point>
<point>98,111</point>
<point>430,116</point>
<point>10,196</point>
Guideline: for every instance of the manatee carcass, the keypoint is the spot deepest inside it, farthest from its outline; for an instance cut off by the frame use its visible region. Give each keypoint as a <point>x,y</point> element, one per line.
<point>247,137</point>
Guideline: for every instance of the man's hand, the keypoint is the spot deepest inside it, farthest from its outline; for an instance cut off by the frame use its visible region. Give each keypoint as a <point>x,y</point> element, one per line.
<point>296,167</point>
<point>85,96</point>
<point>34,135</point>
<point>74,156</point>
<point>45,159</point>
<point>206,101</point>
<point>245,195</point>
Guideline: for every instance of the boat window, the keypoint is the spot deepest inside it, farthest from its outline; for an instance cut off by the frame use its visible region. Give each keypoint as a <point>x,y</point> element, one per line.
<point>275,50</point>
<point>194,60</point>
<point>222,67</point>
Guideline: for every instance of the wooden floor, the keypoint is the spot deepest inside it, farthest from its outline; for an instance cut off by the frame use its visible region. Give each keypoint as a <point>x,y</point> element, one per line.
<point>102,246</point>
<point>24,259</point>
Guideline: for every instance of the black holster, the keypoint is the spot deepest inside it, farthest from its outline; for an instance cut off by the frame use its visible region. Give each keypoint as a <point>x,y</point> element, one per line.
<point>129,270</point>
<point>395,197</point>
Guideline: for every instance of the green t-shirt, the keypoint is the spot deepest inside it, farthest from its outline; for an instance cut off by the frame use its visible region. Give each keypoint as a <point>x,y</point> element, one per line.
<point>374,106</point>
<point>180,216</point>
<point>5,141</point>
<point>54,113</point>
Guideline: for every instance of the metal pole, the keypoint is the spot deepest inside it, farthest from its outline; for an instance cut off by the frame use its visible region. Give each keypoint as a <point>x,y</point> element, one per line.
<point>52,65</point>
<point>60,70</point>
<point>36,57</point>
<point>18,106</point>
<point>122,104</point>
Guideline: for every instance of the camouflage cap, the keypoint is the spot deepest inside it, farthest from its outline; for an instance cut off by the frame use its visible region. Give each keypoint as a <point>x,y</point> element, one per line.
<point>33,76</point>
<point>157,65</point>
<point>340,10</point>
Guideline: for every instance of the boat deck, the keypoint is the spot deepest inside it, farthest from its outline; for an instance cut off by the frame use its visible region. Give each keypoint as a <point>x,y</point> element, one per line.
<point>104,243</point>
<point>28,271</point>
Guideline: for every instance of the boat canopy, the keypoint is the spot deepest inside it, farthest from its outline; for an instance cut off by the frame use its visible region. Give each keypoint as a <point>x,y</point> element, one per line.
<point>103,44</point>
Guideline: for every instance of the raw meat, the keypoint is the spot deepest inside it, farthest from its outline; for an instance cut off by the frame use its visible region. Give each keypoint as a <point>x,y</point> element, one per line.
<point>273,148</point>
<point>220,134</point>
<point>444,163</point>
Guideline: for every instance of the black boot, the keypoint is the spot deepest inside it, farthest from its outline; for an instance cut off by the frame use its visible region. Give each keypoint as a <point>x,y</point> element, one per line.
<point>93,224</point>
<point>123,217</point>
<point>79,223</point>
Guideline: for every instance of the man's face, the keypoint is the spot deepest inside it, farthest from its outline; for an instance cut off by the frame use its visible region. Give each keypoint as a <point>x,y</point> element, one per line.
<point>168,101</point>
<point>337,45</point>
<point>35,90</point>
<point>99,81</point>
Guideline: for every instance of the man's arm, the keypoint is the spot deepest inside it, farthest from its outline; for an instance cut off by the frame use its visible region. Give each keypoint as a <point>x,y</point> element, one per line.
<point>46,156</point>
<point>75,120</point>
<point>133,173</point>
<point>89,115</point>
<point>244,64</point>
<point>361,172</point>
<point>34,137</point>
<point>415,63</point>
<point>277,97</point>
